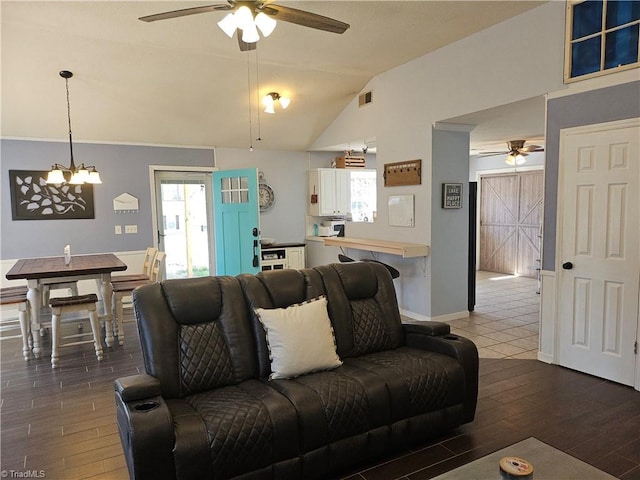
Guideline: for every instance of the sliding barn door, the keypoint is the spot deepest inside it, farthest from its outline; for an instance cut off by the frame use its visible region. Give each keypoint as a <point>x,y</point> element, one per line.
<point>510,219</point>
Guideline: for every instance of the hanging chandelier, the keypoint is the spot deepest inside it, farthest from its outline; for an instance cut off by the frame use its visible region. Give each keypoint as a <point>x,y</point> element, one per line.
<point>72,174</point>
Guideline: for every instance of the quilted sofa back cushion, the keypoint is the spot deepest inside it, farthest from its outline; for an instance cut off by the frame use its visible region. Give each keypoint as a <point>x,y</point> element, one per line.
<point>276,289</point>
<point>195,334</point>
<point>362,306</point>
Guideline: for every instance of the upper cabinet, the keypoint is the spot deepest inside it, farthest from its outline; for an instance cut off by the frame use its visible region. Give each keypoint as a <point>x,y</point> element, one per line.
<point>330,193</point>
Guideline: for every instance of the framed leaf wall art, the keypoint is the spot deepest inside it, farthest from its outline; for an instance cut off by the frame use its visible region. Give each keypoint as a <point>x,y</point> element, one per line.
<point>32,198</point>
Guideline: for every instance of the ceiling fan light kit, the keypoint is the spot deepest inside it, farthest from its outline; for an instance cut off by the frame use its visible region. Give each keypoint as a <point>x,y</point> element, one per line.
<point>515,159</point>
<point>515,156</point>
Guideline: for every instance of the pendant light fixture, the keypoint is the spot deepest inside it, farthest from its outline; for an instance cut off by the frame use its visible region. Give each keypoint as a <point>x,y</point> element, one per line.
<point>72,174</point>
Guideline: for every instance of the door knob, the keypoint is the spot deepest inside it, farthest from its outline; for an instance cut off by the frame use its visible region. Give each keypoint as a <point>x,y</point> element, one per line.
<point>567,265</point>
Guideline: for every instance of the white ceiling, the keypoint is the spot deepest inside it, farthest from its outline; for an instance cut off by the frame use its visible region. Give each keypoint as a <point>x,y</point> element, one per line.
<point>183,82</point>
<point>524,120</point>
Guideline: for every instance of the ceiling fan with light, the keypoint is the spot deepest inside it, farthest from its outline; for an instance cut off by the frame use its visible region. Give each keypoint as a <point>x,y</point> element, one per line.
<point>516,152</point>
<point>247,17</point>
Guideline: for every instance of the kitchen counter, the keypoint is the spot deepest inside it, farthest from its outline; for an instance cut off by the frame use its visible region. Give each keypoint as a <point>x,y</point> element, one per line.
<point>282,245</point>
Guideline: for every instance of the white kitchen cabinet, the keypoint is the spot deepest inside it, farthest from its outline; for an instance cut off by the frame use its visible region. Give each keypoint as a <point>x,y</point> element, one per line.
<point>331,188</point>
<point>295,258</point>
<point>279,257</point>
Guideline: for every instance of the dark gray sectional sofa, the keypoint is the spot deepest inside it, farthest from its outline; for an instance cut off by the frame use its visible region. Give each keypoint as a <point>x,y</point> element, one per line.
<point>206,407</point>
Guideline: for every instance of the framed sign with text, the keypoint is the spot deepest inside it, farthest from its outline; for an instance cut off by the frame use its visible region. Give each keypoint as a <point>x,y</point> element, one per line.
<point>451,195</point>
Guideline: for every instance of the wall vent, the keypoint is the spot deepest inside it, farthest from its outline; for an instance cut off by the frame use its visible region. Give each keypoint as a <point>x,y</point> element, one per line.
<point>365,98</point>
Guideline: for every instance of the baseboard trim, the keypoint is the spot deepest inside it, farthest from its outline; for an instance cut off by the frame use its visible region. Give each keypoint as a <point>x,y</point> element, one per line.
<point>545,357</point>
<point>440,318</point>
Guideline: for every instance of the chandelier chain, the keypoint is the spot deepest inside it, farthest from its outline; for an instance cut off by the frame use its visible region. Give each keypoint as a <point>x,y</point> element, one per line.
<point>72,166</point>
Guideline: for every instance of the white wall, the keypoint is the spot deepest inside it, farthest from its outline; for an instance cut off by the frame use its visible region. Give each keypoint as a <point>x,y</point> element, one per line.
<point>467,76</point>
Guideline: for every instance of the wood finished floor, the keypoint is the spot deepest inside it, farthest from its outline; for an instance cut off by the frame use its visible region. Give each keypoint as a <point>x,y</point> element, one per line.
<point>62,422</point>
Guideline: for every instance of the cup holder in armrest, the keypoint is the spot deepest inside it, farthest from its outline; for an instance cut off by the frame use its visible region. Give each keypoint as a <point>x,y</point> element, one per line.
<point>451,337</point>
<point>146,406</point>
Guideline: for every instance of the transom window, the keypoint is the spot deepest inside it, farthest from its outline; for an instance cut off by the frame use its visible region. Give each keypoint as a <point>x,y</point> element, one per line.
<point>601,37</point>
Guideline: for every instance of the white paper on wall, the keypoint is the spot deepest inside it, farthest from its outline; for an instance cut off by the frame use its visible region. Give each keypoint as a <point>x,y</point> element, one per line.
<point>401,211</point>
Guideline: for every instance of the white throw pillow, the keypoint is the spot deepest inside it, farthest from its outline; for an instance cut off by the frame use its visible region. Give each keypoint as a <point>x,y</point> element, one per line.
<point>300,338</point>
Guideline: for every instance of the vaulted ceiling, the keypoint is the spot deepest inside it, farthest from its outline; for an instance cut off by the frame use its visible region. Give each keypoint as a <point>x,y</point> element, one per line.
<point>183,82</point>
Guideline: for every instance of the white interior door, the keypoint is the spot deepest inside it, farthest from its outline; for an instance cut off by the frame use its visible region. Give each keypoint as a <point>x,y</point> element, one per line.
<point>598,255</point>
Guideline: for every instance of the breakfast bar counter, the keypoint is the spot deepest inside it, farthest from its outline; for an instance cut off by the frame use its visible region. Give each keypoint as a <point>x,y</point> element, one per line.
<point>403,249</point>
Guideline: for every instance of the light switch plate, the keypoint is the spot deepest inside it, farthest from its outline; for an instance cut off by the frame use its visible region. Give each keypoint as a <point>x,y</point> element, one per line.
<point>118,229</point>
<point>131,229</point>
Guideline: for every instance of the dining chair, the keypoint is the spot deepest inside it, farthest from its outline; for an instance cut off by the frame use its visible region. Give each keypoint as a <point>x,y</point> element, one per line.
<point>18,296</point>
<point>147,267</point>
<point>125,289</point>
<point>76,303</point>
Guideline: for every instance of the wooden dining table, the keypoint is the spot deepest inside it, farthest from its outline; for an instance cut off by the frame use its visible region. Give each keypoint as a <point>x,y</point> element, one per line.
<point>47,270</point>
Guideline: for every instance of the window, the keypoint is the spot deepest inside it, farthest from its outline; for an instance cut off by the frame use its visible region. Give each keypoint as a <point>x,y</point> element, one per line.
<point>601,37</point>
<point>235,190</point>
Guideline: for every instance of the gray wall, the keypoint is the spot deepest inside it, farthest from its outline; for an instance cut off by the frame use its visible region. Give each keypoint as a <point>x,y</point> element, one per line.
<point>123,168</point>
<point>597,106</point>
<point>449,227</point>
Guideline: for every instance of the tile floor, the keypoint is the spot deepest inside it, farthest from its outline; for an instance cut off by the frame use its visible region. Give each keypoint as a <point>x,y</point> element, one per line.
<point>506,318</point>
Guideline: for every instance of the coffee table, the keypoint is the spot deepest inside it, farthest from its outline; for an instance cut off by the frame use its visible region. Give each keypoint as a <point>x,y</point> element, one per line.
<point>548,463</point>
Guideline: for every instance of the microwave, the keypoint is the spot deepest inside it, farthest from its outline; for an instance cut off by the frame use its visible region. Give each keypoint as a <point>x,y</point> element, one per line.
<point>336,227</point>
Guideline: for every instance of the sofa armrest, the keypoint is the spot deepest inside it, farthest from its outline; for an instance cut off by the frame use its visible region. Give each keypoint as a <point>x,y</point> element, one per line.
<point>145,427</point>
<point>460,348</point>
<point>427,328</point>
<point>137,387</point>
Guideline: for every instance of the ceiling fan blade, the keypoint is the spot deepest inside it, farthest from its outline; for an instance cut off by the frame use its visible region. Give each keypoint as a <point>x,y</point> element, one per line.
<point>532,148</point>
<point>185,11</point>
<point>244,46</point>
<point>306,19</point>
<point>491,154</point>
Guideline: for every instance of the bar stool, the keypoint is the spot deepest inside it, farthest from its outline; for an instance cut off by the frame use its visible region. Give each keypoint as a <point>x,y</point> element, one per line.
<point>60,306</point>
<point>47,287</point>
<point>18,296</point>
<point>393,271</point>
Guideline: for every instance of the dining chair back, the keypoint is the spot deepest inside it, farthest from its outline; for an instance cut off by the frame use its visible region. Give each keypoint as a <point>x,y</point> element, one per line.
<point>17,296</point>
<point>124,289</point>
<point>157,271</point>
<point>147,267</point>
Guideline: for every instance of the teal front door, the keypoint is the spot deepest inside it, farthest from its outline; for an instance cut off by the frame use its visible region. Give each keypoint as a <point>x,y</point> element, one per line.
<point>236,221</point>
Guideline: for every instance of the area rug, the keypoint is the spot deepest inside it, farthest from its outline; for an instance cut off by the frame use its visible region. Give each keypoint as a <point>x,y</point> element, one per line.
<point>548,464</point>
